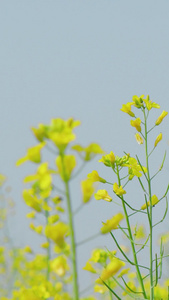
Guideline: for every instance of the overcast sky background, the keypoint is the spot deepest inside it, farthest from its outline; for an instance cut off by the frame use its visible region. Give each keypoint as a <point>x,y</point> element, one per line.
<point>80,59</point>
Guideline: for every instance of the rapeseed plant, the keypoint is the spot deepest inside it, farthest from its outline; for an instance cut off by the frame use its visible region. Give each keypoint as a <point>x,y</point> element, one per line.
<point>119,273</point>
<point>145,284</point>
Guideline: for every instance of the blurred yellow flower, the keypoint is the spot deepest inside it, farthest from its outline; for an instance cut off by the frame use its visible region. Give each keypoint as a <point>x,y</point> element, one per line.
<point>31,215</point>
<point>32,200</point>
<point>102,194</point>
<point>38,229</point>
<point>2,179</point>
<point>99,256</point>
<point>111,269</point>
<point>53,219</point>
<point>59,265</point>
<point>28,249</point>
<point>112,223</point>
<point>57,232</point>
<point>87,189</point>
<point>45,245</point>
<point>94,176</point>
<point>59,132</point>
<point>89,267</point>
<point>33,154</point>
<point>139,232</point>
<point>101,289</point>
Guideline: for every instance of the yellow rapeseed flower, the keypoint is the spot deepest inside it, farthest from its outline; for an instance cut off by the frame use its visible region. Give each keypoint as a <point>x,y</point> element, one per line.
<point>89,267</point>
<point>139,232</point>
<point>127,109</point>
<point>88,189</point>
<point>53,219</point>
<point>32,200</point>
<point>139,138</point>
<point>112,223</point>
<point>33,154</point>
<point>118,190</point>
<point>108,159</point>
<point>158,139</point>
<point>40,133</point>
<point>161,117</point>
<point>59,132</point>
<point>102,194</point>
<point>59,265</point>
<point>134,169</point>
<point>99,256</point>
<point>136,123</point>
<point>154,201</point>
<point>150,104</point>
<point>138,101</point>
<point>94,176</point>
<point>57,232</point>
<point>112,268</point>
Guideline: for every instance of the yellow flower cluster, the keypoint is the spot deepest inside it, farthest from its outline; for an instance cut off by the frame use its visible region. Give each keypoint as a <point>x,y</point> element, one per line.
<point>60,132</point>
<point>141,103</point>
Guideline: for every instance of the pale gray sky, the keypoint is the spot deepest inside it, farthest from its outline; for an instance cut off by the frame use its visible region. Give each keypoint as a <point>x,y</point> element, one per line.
<point>82,59</point>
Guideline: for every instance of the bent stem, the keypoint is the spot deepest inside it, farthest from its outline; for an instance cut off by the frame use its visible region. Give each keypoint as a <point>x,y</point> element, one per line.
<point>72,235</point>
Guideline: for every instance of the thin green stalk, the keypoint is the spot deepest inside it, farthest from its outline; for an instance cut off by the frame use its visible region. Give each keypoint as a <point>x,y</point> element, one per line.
<point>150,211</point>
<point>88,239</point>
<point>110,293</point>
<point>132,243</point>
<point>72,235</point>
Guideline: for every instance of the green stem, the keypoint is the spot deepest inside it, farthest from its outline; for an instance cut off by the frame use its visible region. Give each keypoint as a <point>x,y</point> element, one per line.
<point>72,235</point>
<point>132,243</point>
<point>110,293</point>
<point>88,239</point>
<point>150,211</point>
